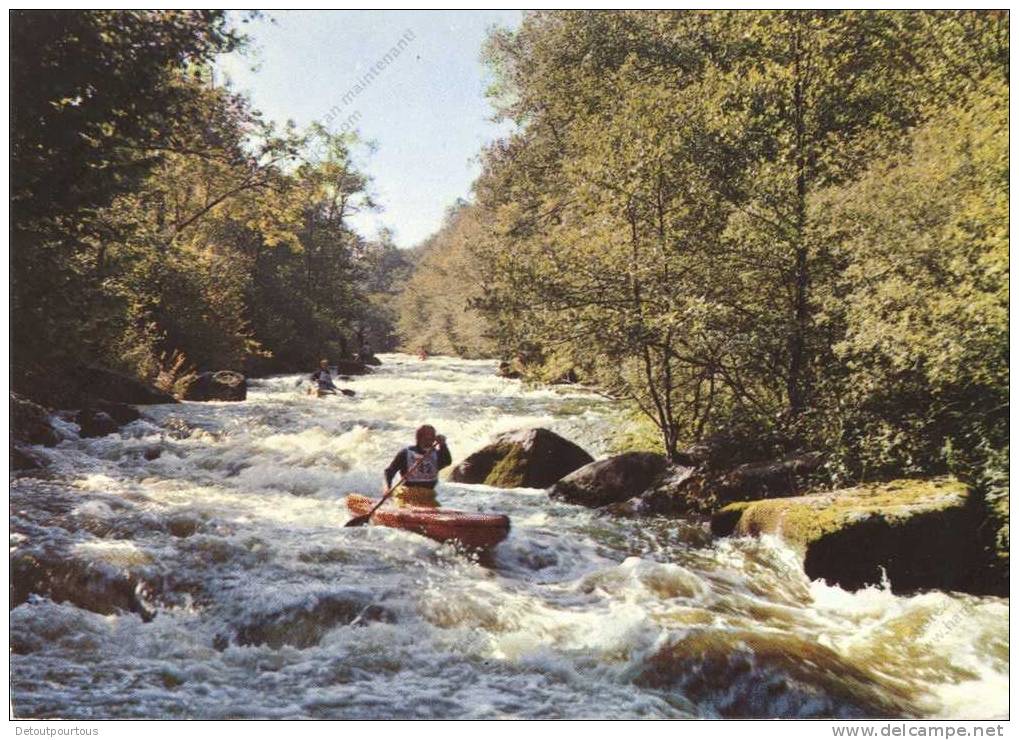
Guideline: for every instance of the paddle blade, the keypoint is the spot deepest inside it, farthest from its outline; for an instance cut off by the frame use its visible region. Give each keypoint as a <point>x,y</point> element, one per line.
<point>358,521</point>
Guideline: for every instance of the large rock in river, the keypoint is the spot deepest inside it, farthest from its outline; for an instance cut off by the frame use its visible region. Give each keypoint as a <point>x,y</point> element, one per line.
<point>610,481</point>
<point>224,385</point>
<point>352,367</point>
<point>924,534</point>
<point>526,458</point>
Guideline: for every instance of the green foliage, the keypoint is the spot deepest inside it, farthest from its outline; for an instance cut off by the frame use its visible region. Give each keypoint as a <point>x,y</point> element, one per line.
<point>435,306</point>
<point>666,217</point>
<point>155,215</point>
<point>921,299</point>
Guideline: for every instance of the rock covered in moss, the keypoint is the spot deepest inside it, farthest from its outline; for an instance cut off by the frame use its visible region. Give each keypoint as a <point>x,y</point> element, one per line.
<point>923,534</point>
<point>526,458</point>
<point>610,481</point>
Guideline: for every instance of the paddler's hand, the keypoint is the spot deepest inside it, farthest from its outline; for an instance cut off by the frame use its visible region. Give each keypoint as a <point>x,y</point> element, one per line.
<point>441,439</point>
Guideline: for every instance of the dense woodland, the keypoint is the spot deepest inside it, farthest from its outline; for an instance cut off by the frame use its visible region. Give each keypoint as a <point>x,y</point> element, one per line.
<point>159,224</point>
<point>790,227</point>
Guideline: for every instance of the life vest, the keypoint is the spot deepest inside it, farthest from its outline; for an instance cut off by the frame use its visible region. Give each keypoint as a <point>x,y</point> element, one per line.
<point>324,378</point>
<point>427,471</point>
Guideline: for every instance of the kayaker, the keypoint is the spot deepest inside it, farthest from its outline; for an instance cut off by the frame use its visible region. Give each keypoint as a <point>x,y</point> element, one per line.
<point>419,488</point>
<point>324,378</point>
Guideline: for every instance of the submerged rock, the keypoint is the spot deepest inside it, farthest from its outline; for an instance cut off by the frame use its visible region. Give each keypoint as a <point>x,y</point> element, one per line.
<point>304,622</point>
<point>922,533</point>
<point>610,481</point>
<point>94,584</point>
<point>744,675</point>
<point>224,385</point>
<point>526,458</point>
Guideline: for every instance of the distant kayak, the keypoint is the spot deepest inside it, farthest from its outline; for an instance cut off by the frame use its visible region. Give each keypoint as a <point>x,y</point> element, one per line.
<point>472,530</point>
<point>326,393</point>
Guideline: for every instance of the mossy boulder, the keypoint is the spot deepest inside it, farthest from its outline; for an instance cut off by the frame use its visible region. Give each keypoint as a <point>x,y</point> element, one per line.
<point>921,534</point>
<point>526,458</point>
<point>610,481</point>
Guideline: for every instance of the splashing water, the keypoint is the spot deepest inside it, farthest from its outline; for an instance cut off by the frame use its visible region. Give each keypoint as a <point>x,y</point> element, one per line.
<point>217,580</point>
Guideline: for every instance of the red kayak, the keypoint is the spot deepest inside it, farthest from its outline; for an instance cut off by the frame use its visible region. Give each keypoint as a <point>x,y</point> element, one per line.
<point>477,531</point>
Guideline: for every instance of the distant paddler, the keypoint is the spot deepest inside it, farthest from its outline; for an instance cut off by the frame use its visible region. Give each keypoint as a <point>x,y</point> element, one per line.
<point>419,466</point>
<point>323,380</point>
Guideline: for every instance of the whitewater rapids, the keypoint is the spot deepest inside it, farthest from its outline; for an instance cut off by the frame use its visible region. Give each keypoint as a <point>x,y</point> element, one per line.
<point>244,596</point>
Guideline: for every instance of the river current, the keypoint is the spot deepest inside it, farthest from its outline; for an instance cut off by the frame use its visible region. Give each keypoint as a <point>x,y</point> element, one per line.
<point>250,598</point>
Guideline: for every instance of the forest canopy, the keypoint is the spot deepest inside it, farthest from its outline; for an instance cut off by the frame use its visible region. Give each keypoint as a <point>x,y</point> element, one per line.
<point>158,222</point>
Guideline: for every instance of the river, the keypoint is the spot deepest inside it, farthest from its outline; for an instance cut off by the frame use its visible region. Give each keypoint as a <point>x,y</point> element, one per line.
<point>257,602</point>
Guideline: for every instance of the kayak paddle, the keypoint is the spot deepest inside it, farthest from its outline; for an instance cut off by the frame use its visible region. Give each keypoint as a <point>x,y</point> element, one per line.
<point>360,521</point>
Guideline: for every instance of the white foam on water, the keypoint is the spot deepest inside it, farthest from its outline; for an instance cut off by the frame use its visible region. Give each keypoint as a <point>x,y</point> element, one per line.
<point>243,518</point>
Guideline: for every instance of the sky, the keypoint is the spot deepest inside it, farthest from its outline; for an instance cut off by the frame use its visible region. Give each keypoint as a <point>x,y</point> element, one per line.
<point>425,110</point>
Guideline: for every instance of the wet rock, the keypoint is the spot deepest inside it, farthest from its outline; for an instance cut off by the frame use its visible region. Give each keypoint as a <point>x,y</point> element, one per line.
<point>304,622</point>
<point>30,422</point>
<point>613,480</point>
<point>61,575</point>
<point>508,370</point>
<point>100,383</point>
<point>177,427</point>
<point>529,458</point>
<point>352,367</point>
<point>119,412</point>
<point>22,459</point>
<point>746,675</point>
<point>152,453</point>
<point>95,423</point>
<point>224,385</point>
<point>924,534</point>
<point>184,524</point>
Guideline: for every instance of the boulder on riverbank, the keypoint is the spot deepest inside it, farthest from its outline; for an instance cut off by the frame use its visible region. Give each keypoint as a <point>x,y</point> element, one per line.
<point>21,458</point>
<point>526,458</point>
<point>610,481</point>
<point>924,534</point>
<point>99,383</point>
<point>223,385</point>
<point>30,422</point>
<point>702,490</point>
